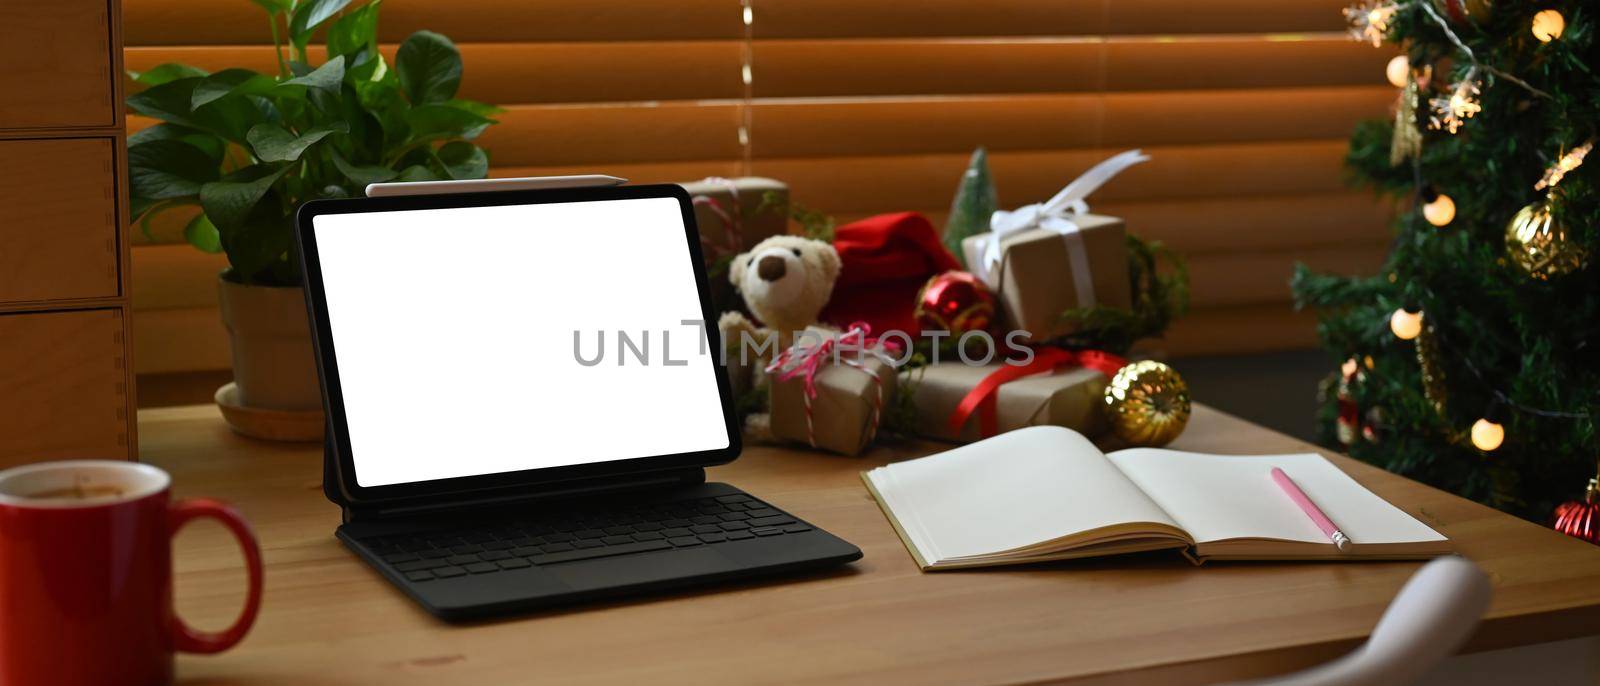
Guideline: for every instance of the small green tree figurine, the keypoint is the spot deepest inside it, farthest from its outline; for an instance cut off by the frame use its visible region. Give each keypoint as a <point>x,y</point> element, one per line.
<point>249,148</point>
<point>975,202</point>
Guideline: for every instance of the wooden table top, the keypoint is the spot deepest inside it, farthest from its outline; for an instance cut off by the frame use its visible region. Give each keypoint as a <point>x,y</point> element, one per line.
<point>329,619</point>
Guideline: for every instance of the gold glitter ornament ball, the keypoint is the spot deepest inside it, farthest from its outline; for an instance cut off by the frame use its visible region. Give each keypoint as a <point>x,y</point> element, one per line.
<point>1541,246</point>
<point>1147,404</point>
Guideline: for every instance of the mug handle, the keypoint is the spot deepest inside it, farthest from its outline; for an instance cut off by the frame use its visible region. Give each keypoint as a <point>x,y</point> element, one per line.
<point>186,638</point>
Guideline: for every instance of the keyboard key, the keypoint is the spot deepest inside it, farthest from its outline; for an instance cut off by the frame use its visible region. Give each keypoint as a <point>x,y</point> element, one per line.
<point>513,563</point>
<point>795,528</point>
<point>557,538</point>
<point>675,531</point>
<point>739,535</point>
<point>736,498</point>
<point>705,528</point>
<point>733,526</point>
<point>616,540</point>
<point>461,559</point>
<point>684,541</point>
<point>605,551</point>
<point>477,538</point>
<point>420,565</point>
<point>466,549</point>
<point>483,567</point>
<point>619,530</point>
<point>397,558</point>
<point>763,512</point>
<point>589,533</point>
<point>648,536</point>
<point>704,519</point>
<point>555,547</point>
<point>587,543</point>
<point>492,555</point>
<point>713,538</point>
<point>498,545</point>
<point>647,526</point>
<point>419,575</point>
<point>771,521</point>
<point>733,516</point>
<point>433,554</point>
<point>769,531</point>
<point>526,550</point>
<point>676,522</point>
<point>738,507</point>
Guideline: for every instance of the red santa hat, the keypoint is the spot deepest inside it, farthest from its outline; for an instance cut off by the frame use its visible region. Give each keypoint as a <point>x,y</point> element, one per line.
<point>886,260</point>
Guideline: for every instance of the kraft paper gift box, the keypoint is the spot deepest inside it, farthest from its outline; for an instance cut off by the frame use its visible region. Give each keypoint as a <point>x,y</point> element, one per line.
<point>1067,397</point>
<point>847,410</point>
<point>1037,278</point>
<point>733,215</point>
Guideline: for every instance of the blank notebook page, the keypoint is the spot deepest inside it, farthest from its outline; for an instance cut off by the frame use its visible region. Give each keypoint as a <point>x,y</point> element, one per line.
<point>1017,489</point>
<point>1218,497</point>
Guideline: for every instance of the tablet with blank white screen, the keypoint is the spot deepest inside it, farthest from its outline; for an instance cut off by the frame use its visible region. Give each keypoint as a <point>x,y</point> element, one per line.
<point>509,336</point>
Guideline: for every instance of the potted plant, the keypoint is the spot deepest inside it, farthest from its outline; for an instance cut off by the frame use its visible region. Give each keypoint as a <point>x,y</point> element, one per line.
<point>247,149</point>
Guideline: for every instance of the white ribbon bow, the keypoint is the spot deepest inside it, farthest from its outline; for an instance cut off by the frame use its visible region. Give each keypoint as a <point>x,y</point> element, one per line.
<point>1056,215</point>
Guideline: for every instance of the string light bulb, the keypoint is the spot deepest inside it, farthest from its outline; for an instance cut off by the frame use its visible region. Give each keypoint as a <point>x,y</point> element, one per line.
<point>1398,71</point>
<point>1487,435</point>
<point>1439,210</point>
<point>1452,112</point>
<point>1406,324</point>
<point>1548,25</point>
<point>1568,162</point>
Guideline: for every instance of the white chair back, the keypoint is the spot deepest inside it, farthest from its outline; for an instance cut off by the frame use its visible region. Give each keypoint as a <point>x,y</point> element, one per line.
<point>1431,617</point>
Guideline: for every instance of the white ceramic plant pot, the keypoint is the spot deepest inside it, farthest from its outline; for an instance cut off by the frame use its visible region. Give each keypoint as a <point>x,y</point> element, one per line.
<point>274,371</point>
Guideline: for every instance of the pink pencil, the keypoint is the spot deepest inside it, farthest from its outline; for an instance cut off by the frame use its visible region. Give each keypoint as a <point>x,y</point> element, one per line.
<point>1340,541</point>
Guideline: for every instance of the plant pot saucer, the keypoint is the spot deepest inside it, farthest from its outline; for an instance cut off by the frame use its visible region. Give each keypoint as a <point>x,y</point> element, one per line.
<point>271,425</point>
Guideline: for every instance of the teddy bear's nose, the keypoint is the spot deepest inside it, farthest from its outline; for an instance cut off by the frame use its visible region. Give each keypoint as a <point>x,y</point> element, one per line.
<point>770,268</point>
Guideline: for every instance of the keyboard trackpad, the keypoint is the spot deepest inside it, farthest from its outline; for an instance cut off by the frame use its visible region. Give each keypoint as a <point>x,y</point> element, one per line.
<point>612,572</point>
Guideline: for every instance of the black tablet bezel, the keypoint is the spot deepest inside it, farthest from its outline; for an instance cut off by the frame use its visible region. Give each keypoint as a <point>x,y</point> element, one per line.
<point>328,366</point>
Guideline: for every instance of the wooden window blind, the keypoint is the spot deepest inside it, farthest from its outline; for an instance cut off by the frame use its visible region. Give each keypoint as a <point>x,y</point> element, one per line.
<point>868,106</point>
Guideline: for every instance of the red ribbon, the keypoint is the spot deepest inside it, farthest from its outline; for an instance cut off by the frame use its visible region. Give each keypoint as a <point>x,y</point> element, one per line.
<point>805,362</point>
<point>981,398</point>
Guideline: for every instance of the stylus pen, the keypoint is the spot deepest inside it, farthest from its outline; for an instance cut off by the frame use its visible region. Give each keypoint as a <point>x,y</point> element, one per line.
<point>1340,541</point>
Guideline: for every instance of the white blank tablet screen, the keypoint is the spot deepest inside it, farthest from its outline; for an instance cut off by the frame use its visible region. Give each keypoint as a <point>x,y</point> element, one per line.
<point>454,333</point>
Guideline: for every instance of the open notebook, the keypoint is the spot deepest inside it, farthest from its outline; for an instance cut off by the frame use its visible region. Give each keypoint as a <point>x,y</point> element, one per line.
<point>1046,493</point>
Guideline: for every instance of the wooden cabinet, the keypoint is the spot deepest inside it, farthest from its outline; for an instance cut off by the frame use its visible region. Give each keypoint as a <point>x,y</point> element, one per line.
<point>58,219</point>
<point>66,381</point>
<point>66,386</point>
<point>60,64</point>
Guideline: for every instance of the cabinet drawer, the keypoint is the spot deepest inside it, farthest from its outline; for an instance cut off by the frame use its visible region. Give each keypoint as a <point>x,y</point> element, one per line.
<point>57,57</point>
<point>63,387</point>
<point>58,219</point>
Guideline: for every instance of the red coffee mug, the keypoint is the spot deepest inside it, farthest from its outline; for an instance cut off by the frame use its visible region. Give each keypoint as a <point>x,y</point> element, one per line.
<point>86,574</point>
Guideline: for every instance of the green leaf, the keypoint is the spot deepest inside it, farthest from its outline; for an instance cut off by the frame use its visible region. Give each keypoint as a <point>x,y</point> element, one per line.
<point>430,68</point>
<point>166,73</point>
<point>463,160</point>
<point>259,246</point>
<point>479,108</point>
<point>227,82</point>
<point>361,175</point>
<point>160,169</point>
<point>308,15</point>
<point>202,234</point>
<point>229,203</point>
<point>274,6</point>
<point>272,143</point>
<point>354,32</point>
<point>417,172</point>
<point>213,146</point>
<point>434,122</point>
<point>326,77</point>
<point>230,117</point>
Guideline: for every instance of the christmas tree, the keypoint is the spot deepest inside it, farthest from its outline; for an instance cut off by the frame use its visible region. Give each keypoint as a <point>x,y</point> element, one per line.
<point>1472,360</point>
<point>975,201</point>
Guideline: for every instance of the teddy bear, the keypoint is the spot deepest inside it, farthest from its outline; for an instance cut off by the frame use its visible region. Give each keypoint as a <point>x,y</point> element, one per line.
<point>785,281</point>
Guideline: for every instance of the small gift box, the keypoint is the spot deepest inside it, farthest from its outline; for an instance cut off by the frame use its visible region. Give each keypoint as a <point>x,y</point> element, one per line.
<point>734,214</point>
<point>961,402</point>
<point>830,392</point>
<point>1045,259</point>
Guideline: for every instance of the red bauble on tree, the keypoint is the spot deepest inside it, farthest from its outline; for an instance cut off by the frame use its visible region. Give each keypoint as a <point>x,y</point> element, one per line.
<point>1581,518</point>
<point>957,302</point>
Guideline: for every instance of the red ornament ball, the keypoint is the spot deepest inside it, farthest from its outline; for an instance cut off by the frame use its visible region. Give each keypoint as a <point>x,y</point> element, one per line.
<point>957,302</point>
<point>1580,519</point>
